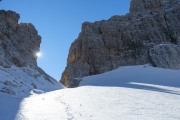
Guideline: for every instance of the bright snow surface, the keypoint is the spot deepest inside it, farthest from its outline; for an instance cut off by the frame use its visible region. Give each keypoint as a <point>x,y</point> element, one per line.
<point>127,93</point>
<point>22,81</point>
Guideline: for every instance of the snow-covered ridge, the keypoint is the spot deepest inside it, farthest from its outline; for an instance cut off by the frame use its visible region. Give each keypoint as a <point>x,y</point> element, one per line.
<point>22,80</point>
<point>127,76</point>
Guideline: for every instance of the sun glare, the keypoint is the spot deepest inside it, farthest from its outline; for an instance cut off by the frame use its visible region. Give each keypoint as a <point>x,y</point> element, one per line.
<point>38,54</point>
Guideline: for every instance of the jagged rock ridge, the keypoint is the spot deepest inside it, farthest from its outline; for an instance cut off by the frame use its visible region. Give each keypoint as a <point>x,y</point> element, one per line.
<point>149,33</point>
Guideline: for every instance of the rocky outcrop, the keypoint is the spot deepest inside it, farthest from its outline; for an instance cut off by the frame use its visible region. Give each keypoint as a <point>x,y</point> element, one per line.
<point>18,42</point>
<point>126,40</point>
<point>19,73</point>
<point>165,55</point>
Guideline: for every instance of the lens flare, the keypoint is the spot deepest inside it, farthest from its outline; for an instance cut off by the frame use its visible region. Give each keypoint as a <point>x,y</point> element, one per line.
<point>38,54</point>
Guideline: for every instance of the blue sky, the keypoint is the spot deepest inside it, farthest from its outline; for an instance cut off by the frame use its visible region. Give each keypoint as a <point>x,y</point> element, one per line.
<point>59,22</point>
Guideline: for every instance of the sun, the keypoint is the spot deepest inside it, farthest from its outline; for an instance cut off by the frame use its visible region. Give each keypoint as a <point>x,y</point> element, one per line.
<point>38,54</point>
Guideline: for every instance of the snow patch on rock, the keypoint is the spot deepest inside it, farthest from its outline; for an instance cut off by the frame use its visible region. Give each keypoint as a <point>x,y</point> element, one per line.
<point>22,80</point>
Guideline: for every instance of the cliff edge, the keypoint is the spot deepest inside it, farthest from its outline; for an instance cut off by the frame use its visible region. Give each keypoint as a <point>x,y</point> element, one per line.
<point>19,43</point>
<point>149,33</point>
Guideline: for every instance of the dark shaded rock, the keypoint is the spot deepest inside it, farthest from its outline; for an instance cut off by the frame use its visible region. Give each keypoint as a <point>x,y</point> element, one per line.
<point>11,84</point>
<point>7,91</point>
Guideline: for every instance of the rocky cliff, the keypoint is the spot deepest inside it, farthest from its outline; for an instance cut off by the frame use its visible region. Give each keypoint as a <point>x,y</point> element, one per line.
<point>19,73</point>
<point>18,42</point>
<point>149,33</point>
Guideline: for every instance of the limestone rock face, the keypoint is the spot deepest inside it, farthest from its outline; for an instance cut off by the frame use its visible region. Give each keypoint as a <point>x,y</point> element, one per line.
<point>165,56</point>
<point>126,40</point>
<point>19,73</point>
<point>144,5</point>
<point>18,42</point>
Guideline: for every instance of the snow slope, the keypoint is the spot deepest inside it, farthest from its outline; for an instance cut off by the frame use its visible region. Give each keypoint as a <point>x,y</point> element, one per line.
<point>21,81</point>
<point>128,93</point>
<point>135,77</point>
<point>101,103</point>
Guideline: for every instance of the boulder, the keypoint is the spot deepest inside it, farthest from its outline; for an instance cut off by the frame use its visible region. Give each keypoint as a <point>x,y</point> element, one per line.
<point>165,56</point>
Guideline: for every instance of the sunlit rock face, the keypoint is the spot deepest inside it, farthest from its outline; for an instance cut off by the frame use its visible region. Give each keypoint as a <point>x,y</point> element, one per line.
<point>127,40</point>
<point>18,42</point>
